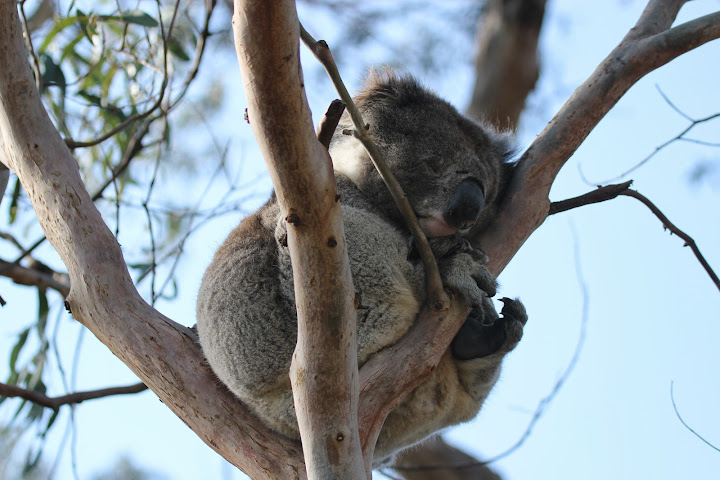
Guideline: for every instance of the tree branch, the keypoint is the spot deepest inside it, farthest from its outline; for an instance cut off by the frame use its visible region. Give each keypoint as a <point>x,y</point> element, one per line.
<point>162,353</point>
<point>390,375</point>
<point>689,242</point>
<point>73,398</point>
<point>436,297</point>
<point>677,413</point>
<point>35,277</point>
<point>646,47</point>
<point>609,192</point>
<point>329,122</point>
<point>323,371</point>
<point>602,194</point>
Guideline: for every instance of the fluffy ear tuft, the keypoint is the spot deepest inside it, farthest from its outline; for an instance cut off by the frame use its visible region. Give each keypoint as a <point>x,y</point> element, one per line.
<point>384,85</point>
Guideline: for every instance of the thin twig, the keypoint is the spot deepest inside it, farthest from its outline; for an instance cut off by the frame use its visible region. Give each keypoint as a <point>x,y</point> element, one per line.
<point>672,398</point>
<point>689,242</point>
<point>69,399</point>
<point>437,298</point>
<point>612,191</point>
<point>602,194</point>
<point>31,50</point>
<point>679,137</point>
<point>36,277</point>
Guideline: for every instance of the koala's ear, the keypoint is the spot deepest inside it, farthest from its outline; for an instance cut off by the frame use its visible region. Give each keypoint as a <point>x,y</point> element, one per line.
<point>385,86</point>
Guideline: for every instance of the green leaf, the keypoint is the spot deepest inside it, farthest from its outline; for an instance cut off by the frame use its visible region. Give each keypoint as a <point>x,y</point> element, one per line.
<point>70,47</point>
<point>59,26</point>
<point>52,419</point>
<point>137,17</point>
<point>88,24</point>
<point>22,338</point>
<point>177,49</point>
<point>14,201</point>
<point>36,410</point>
<point>31,461</point>
<point>43,309</point>
<point>52,74</point>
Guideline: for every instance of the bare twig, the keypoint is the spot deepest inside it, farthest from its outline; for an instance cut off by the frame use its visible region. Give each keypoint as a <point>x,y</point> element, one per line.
<point>689,242</point>
<point>437,298</point>
<point>609,192</point>
<point>31,49</point>
<point>672,398</point>
<point>679,137</point>
<point>604,193</point>
<point>70,399</point>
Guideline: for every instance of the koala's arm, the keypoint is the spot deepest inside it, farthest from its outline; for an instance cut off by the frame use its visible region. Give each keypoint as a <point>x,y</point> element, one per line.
<point>458,387</point>
<point>485,338</point>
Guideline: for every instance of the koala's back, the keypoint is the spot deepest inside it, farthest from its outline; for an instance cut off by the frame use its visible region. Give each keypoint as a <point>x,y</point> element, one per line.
<point>246,312</point>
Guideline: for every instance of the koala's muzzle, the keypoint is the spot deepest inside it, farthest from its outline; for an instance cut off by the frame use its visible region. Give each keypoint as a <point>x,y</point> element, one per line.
<point>464,208</point>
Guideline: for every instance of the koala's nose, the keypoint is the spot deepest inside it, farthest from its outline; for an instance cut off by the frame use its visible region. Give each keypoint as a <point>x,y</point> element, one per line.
<point>464,208</point>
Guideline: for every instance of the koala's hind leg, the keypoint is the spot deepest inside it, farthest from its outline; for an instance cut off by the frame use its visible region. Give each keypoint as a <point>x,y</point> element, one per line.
<point>484,333</point>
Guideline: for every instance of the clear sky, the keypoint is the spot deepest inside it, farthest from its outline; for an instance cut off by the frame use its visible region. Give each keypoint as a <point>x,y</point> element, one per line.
<point>653,315</point>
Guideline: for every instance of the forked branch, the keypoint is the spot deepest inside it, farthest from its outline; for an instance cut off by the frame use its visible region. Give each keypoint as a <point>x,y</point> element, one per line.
<point>650,44</point>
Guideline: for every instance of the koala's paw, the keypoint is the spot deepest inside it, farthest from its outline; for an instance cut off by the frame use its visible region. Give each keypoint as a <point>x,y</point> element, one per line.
<point>465,273</point>
<point>484,333</point>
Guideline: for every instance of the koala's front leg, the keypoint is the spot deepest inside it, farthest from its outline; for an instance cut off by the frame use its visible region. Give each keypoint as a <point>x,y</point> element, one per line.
<point>484,333</point>
<point>462,269</point>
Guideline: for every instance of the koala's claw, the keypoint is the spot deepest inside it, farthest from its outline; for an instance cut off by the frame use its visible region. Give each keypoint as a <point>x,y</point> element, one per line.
<point>468,278</point>
<point>514,309</point>
<point>484,333</point>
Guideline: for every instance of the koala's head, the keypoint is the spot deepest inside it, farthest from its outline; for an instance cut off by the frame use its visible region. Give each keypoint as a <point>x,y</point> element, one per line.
<point>451,168</point>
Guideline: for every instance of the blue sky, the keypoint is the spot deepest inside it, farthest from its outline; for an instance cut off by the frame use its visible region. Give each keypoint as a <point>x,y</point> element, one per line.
<point>653,314</point>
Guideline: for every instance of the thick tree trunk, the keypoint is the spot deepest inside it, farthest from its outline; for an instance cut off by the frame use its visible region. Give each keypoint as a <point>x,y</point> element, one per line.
<point>324,371</point>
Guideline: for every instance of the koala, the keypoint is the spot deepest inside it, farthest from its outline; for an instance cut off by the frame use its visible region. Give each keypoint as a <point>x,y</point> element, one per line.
<point>453,170</point>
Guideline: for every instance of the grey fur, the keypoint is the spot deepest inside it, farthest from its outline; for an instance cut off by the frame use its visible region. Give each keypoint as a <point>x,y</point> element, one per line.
<point>246,314</point>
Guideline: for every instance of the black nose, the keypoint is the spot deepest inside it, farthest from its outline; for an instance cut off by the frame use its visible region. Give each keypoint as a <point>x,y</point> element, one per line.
<point>464,208</point>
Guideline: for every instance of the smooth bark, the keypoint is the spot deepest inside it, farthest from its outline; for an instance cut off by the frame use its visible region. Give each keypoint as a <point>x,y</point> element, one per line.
<point>324,372</point>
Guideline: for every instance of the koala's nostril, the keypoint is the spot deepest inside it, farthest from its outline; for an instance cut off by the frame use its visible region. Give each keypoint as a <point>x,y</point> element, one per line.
<point>464,208</point>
